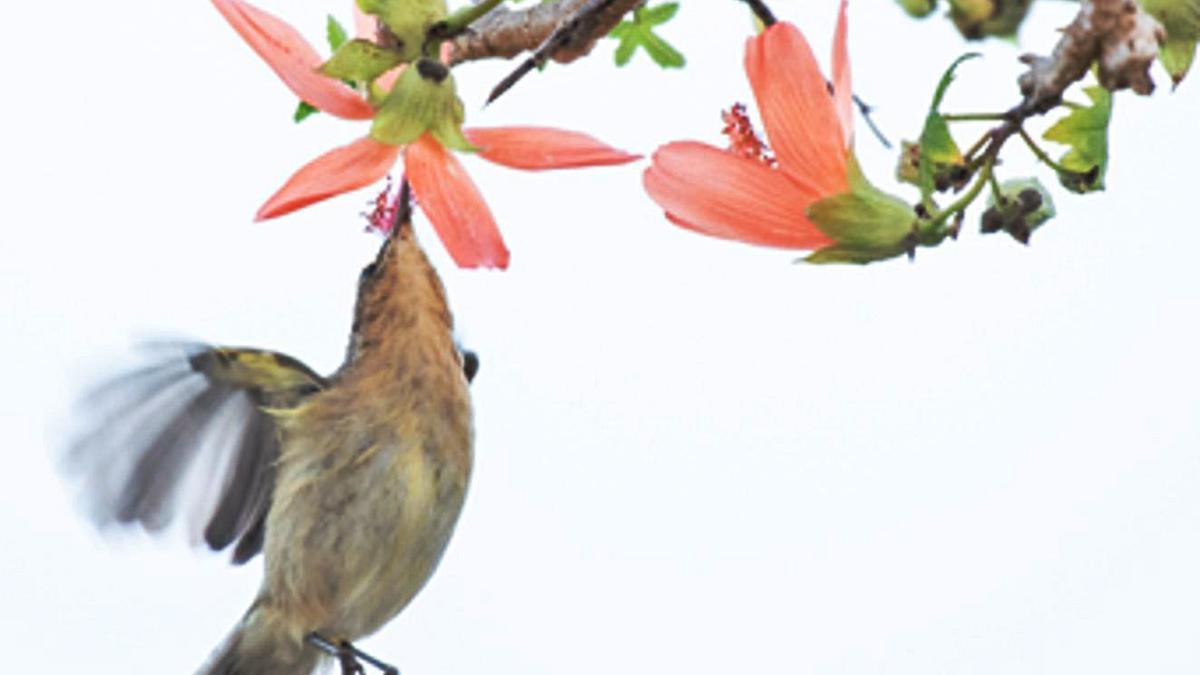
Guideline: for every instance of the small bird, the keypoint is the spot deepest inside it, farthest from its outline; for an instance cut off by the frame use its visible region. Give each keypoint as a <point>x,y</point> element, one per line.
<point>349,484</point>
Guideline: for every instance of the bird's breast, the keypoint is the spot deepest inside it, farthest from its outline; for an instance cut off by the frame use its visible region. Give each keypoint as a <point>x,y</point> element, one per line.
<point>371,481</point>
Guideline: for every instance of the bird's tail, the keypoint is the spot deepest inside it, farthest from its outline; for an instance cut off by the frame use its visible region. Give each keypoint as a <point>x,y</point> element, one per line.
<point>258,647</point>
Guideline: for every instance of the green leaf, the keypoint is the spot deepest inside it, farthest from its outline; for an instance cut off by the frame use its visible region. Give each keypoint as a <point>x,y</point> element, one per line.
<point>1181,19</point>
<point>1177,57</point>
<point>624,52</point>
<point>662,52</point>
<point>660,14</point>
<point>361,61</point>
<point>303,110</point>
<point>939,153</point>
<point>638,31</point>
<point>1085,129</point>
<point>335,35</point>
<point>947,78</point>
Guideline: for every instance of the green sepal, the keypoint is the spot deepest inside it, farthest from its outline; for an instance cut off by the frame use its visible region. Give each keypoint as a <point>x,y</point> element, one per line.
<point>1024,206</point>
<point>408,20</point>
<point>448,130</point>
<point>867,223</point>
<point>1085,129</point>
<point>941,163</point>
<point>841,253</point>
<point>638,31</point>
<point>420,103</point>
<point>360,61</point>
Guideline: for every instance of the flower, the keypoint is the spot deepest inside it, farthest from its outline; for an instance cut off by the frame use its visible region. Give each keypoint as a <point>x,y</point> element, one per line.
<point>418,126</point>
<point>810,194</point>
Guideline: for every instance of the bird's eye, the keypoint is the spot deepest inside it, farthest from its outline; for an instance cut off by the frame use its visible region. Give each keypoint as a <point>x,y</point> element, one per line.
<point>470,364</point>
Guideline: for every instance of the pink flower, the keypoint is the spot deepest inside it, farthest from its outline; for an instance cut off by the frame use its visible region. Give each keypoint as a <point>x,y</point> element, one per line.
<point>444,190</point>
<point>744,195</point>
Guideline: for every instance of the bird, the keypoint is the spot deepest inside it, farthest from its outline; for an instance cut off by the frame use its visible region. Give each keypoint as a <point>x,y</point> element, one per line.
<point>350,485</point>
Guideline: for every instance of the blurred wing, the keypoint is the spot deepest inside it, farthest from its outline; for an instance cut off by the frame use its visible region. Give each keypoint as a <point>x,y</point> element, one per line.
<point>188,433</point>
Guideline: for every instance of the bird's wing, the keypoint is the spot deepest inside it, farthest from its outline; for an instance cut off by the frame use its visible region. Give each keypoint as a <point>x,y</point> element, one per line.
<point>188,432</point>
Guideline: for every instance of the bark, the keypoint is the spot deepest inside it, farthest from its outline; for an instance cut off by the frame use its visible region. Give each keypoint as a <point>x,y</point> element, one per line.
<point>506,33</point>
<point>1114,34</point>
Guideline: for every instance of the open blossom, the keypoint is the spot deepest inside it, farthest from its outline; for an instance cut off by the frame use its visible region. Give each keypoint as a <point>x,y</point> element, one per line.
<point>808,193</point>
<point>443,189</point>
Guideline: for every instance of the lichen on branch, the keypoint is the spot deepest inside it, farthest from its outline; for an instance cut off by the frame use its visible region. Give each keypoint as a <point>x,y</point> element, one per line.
<point>1116,35</point>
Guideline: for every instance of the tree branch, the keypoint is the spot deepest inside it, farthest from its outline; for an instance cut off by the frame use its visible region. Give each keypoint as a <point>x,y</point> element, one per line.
<point>1116,34</point>
<point>505,33</point>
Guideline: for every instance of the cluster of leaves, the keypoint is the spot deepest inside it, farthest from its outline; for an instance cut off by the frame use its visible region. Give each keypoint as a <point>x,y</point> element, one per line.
<point>978,19</point>
<point>935,164</point>
<point>1085,130</point>
<point>639,31</point>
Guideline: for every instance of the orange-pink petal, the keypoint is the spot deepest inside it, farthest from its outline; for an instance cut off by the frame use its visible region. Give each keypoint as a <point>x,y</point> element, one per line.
<point>537,148</point>
<point>798,113</point>
<point>713,192</point>
<point>388,80</point>
<point>340,170</point>
<point>365,26</point>
<point>843,94</point>
<point>293,60</point>
<point>453,204</point>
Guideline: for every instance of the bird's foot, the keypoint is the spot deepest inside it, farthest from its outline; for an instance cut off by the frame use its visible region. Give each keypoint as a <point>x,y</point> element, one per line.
<point>348,655</point>
<point>350,665</point>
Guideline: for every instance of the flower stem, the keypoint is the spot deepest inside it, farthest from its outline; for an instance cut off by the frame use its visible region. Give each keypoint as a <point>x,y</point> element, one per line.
<point>1041,154</point>
<point>975,117</point>
<point>763,12</point>
<point>960,204</point>
<point>457,23</point>
<point>995,184</point>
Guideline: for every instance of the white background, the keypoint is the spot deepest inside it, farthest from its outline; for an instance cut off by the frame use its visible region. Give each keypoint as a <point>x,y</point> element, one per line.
<point>693,456</point>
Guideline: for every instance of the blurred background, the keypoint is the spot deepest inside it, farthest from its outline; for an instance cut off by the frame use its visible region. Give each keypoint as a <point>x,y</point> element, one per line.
<point>692,455</point>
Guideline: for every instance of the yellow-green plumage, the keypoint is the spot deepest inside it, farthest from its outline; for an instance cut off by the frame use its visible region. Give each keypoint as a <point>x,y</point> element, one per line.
<point>365,476</point>
<point>373,470</point>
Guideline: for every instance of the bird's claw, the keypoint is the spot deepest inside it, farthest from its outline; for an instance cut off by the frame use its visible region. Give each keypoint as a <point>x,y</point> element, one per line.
<point>348,655</point>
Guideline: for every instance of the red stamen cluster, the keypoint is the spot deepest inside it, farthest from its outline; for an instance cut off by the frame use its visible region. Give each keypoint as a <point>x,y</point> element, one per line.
<point>743,140</point>
<point>383,214</point>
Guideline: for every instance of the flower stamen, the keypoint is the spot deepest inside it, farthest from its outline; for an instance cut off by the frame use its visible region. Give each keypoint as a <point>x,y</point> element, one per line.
<point>743,139</point>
